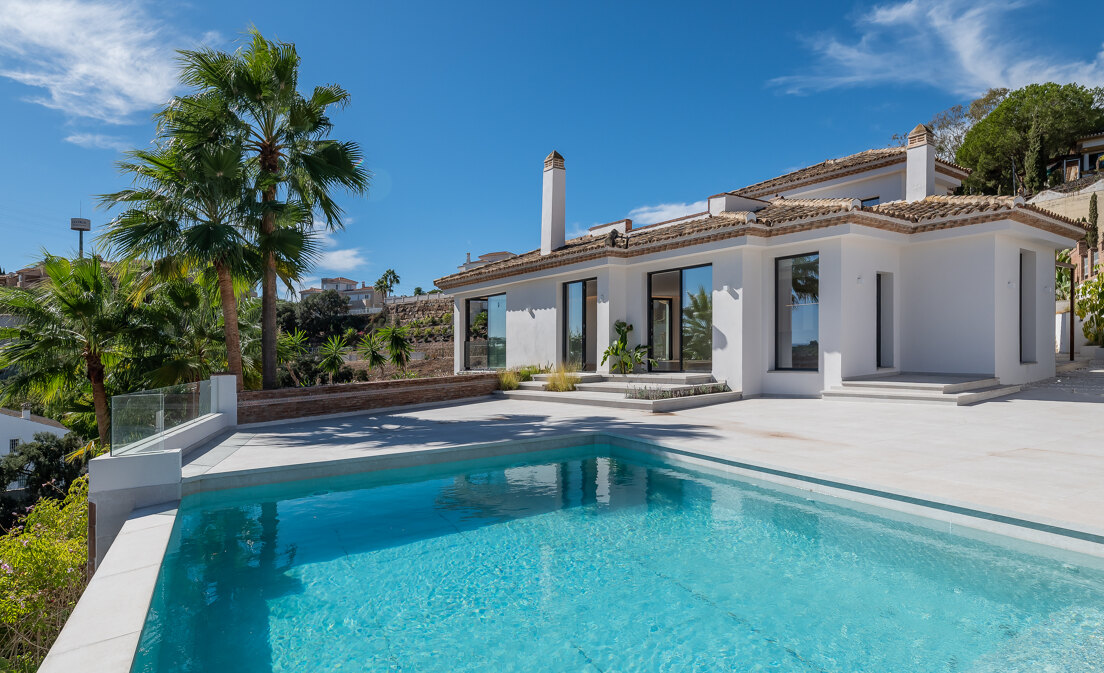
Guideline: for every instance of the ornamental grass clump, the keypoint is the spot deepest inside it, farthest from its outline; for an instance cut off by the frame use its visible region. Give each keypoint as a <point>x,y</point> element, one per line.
<point>507,380</point>
<point>42,574</point>
<point>561,380</point>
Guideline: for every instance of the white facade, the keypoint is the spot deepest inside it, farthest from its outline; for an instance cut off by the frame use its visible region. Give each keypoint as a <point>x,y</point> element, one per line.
<point>17,428</point>
<point>963,293</point>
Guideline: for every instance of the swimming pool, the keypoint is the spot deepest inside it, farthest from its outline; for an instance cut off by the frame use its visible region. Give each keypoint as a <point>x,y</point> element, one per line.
<point>597,559</point>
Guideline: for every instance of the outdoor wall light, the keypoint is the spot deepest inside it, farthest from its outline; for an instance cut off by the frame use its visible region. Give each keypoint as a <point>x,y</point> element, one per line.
<point>859,279</point>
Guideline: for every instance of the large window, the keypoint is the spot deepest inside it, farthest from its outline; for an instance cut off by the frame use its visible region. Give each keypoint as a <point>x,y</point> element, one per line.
<point>580,323</point>
<point>680,319</point>
<point>485,341</point>
<point>797,312</point>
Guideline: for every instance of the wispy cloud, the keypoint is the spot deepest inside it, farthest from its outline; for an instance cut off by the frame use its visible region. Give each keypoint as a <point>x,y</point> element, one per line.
<point>333,258</point>
<point>959,46</point>
<point>97,59</point>
<point>665,211</point>
<point>98,141</point>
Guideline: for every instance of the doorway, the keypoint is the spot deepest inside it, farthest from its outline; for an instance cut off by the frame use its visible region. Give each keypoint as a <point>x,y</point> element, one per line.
<point>884,320</point>
<point>680,319</point>
<point>580,343</point>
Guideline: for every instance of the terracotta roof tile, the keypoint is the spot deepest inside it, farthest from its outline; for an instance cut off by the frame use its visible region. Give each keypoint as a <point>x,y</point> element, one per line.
<point>36,418</point>
<point>779,213</point>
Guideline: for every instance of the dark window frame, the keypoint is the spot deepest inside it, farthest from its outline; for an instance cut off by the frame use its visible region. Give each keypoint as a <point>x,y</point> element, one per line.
<point>674,311</point>
<point>775,302</point>
<point>467,327</point>
<point>564,354</point>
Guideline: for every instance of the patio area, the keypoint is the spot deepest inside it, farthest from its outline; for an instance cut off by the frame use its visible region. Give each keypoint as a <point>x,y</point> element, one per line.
<point>1035,454</point>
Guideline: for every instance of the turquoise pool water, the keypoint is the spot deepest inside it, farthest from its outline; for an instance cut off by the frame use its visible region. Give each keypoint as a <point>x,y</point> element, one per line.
<point>597,560</point>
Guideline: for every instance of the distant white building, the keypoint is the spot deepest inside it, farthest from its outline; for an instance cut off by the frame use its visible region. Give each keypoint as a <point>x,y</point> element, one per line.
<point>361,299</point>
<point>862,265</point>
<point>19,427</point>
<point>485,259</point>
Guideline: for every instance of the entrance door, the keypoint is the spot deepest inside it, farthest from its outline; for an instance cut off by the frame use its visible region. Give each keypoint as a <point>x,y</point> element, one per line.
<point>884,319</point>
<point>680,319</point>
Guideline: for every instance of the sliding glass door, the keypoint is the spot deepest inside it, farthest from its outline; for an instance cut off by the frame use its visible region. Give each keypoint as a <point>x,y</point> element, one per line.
<point>797,312</point>
<point>485,341</point>
<point>580,346</point>
<point>680,319</point>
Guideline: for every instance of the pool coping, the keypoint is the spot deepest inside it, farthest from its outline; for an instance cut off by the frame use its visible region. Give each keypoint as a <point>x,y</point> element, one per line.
<point>123,585</point>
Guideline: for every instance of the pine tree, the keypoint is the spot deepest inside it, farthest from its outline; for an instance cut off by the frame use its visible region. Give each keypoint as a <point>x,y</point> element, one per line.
<point>1034,162</point>
<point>1092,233</point>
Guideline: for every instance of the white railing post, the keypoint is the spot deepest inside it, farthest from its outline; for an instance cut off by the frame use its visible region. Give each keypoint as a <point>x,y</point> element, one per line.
<point>224,397</point>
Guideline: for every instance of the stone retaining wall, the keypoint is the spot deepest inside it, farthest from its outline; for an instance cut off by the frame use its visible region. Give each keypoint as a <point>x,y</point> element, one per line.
<point>255,406</point>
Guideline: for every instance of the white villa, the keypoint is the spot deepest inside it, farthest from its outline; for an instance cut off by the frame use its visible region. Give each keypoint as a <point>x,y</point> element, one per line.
<point>857,266</point>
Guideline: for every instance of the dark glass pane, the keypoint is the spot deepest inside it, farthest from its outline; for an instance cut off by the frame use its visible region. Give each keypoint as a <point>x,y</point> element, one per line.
<point>573,324</point>
<point>496,331</point>
<point>797,312</point>
<point>697,319</point>
<point>663,333</point>
<point>475,345</point>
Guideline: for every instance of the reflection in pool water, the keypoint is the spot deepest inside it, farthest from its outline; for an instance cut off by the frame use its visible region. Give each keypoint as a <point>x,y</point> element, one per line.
<point>597,562</point>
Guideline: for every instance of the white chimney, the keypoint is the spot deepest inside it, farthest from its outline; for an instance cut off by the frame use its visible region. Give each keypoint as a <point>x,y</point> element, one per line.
<point>26,414</point>
<point>552,204</point>
<point>920,164</point>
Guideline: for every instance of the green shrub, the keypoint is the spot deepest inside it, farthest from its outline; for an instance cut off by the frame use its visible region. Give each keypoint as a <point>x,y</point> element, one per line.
<point>507,380</point>
<point>42,574</point>
<point>527,372</point>
<point>649,393</point>
<point>1090,309</point>
<point>562,380</point>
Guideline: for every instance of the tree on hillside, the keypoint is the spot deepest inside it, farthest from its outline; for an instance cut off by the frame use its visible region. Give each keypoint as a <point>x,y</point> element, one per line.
<point>418,291</point>
<point>371,349</point>
<point>333,354</point>
<point>285,135</point>
<point>950,126</point>
<point>72,327</point>
<point>1093,228</point>
<point>322,313</point>
<point>387,282</point>
<point>1034,161</point>
<point>41,465</point>
<point>996,147</point>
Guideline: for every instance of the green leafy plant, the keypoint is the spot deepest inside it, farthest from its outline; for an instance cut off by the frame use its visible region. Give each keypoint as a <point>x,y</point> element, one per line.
<point>1090,309</point>
<point>290,346</point>
<point>333,354</point>
<point>562,380</point>
<point>527,372</point>
<point>399,346</point>
<point>405,375</point>
<point>1093,233</point>
<point>624,359</point>
<point>42,574</point>
<point>1062,277</point>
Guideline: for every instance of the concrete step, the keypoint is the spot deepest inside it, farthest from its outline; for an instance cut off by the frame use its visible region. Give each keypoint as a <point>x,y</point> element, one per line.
<point>624,386</point>
<point>582,376</point>
<point>618,400</point>
<point>890,394</point>
<point>905,383</point>
<point>657,378</point>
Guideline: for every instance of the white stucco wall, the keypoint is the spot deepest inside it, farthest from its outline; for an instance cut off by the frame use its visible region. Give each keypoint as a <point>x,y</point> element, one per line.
<point>863,258</point>
<point>1009,366</point>
<point>533,335</point>
<point>16,427</point>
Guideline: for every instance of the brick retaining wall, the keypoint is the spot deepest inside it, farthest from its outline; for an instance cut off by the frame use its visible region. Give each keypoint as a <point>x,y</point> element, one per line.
<point>256,406</point>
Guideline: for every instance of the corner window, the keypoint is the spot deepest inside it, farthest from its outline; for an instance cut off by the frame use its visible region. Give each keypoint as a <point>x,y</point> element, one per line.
<point>485,339</point>
<point>797,312</point>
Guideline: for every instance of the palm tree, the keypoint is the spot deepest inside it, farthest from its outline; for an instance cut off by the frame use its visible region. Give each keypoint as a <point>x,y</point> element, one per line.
<point>72,328</point>
<point>387,282</point>
<point>398,344</point>
<point>371,349</point>
<point>333,355</point>
<point>286,136</point>
<point>289,347</point>
<point>185,214</point>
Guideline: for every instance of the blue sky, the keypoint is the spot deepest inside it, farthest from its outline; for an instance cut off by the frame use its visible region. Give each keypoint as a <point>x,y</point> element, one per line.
<point>654,105</point>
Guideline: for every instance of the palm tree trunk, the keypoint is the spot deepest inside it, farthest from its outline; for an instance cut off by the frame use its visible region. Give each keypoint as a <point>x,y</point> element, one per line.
<point>99,397</point>
<point>268,300</point>
<point>230,319</point>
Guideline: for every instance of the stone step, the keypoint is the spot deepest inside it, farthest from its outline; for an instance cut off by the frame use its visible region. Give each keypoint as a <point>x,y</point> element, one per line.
<point>889,394</point>
<point>618,400</point>
<point>582,376</point>
<point>905,383</point>
<point>625,386</point>
<point>685,378</point>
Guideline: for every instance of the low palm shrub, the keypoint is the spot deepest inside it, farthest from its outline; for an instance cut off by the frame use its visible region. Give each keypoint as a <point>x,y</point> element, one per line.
<point>562,380</point>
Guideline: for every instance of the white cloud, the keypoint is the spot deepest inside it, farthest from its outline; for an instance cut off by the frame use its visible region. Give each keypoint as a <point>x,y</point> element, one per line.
<point>958,46</point>
<point>98,59</point>
<point>665,211</point>
<point>347,259</point>
<point>99,141</point>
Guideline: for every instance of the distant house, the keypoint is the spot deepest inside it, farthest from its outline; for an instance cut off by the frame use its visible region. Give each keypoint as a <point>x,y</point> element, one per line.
<point>24,278</point>
<point>1071,199</point>
<point>19,427</point>
<point>361,299</point>
<point>863,265</point>
<point>484,260</point>
<point>1087,159</point>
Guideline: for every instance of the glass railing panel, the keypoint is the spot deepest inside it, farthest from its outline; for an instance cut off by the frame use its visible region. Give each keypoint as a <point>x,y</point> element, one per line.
<point>139,420</point>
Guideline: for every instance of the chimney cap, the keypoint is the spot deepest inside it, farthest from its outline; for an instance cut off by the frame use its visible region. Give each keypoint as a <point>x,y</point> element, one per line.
<point>553,160</point>
<point>920,135</point>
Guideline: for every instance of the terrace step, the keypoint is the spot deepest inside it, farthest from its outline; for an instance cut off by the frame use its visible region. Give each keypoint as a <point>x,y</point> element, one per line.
<point>891,394</point>
<point>618,400</point>
<point>919,382</point>
<point>583,377</point>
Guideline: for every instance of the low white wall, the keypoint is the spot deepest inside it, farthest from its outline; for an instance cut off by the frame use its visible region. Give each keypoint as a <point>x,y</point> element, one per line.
<point>1061,333</point>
